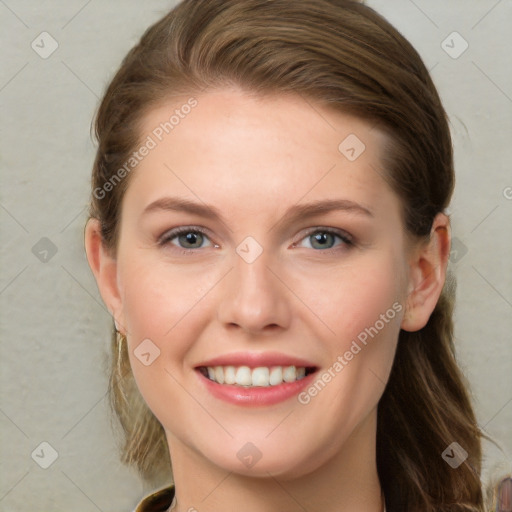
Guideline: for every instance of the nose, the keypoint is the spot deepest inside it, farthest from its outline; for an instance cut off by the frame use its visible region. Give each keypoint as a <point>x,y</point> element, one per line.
<point>253,298</point>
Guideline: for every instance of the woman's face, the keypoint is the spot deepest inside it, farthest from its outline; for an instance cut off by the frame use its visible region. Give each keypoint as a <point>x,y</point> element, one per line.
<point>292,254</point>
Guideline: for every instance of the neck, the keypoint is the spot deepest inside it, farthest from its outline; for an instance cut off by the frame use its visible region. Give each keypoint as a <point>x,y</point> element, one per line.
<point>348,481</point>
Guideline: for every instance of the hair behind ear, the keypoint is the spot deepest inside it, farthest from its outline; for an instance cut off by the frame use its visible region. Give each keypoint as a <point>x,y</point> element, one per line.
<point>143,437</point>
<point>424,409</point>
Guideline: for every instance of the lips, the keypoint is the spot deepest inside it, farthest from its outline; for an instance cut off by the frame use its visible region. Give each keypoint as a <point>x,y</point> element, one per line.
<point>257,359</point>
<point>255,378</point>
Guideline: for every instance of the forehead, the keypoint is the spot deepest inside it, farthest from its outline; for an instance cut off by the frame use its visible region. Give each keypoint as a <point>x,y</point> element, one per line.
<point>238,150</point>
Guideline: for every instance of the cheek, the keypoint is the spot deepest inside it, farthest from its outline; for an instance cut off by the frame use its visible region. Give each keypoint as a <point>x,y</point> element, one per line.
<point>157,296</point>
<point>164,314</point>
<point>363,306</point>
<point>352,298</point>
<point>367,297</point>
<point>159,301</point>
<point>146,315</point>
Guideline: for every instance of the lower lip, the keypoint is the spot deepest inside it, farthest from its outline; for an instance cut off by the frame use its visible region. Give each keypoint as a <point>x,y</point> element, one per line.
<point>264,395</point>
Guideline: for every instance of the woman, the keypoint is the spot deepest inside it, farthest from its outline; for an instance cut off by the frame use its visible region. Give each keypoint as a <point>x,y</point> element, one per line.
<point>268,229</point>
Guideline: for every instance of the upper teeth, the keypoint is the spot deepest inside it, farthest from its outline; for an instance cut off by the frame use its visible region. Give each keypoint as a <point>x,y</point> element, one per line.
<point>261,376</point>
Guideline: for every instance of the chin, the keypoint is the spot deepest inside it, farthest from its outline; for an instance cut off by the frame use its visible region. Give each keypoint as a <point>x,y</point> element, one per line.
<point>284,463</point>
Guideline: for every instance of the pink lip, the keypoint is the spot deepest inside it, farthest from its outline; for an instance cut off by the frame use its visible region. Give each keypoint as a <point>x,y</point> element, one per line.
<point>257,396</point>
<point>256,359</point>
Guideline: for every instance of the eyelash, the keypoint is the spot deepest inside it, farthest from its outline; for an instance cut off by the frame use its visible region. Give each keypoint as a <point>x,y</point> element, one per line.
<point>166,238</point>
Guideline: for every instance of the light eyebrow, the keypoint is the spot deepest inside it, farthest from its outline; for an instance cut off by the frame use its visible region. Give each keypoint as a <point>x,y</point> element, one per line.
<point>294,214</point>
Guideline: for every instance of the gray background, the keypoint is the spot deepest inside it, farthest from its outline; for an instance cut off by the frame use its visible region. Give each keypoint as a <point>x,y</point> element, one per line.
<point>54,327</point>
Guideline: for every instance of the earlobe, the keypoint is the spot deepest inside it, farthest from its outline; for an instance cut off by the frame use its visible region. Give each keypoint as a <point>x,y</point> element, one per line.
<point>427,275</point>
<point>104,268</point>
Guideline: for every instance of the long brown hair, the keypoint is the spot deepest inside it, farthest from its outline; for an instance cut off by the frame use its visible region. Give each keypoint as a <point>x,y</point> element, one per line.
<point>342,54</point>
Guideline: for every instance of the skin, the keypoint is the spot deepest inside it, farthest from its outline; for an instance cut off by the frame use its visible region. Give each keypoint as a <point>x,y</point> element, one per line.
<point>252,159</point>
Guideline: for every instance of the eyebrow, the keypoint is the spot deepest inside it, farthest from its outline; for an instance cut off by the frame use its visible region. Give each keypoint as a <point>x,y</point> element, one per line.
<point>294,214</point>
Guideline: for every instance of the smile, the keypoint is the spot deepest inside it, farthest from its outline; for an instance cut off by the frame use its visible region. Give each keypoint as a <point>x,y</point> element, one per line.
<point>262,376</point>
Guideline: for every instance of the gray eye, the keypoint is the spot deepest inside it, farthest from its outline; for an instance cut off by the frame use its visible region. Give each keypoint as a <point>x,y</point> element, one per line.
<point>191,240</point>
<point>322,240</point>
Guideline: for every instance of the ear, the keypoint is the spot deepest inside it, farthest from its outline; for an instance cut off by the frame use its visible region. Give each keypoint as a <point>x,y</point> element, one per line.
<point>104,268</point>
<point>428,264</point>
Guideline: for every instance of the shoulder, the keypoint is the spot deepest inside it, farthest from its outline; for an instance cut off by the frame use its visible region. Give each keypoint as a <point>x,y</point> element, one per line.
<point>159,501</point>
